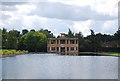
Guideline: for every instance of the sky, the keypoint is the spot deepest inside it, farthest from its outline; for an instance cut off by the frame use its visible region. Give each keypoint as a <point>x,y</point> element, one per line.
<point>60,15</point>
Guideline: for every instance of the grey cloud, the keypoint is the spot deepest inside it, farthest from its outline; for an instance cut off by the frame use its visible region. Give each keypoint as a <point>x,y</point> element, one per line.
<point>5,17</point>
<point>68,12</point>
<point>8,8</point>
<point>12,3</point>
<point>119,14</point>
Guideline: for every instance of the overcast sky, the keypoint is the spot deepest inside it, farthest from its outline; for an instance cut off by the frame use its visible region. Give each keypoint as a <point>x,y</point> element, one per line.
<point>59,15</point>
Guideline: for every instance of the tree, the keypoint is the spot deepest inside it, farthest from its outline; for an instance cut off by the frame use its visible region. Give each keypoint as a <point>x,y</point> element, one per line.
<point>117,35</point>
<point>0,39</point>
<point>70,34</point>
<point>34,41</point>
<point>4,37</point>
<point>80,40</point>
<point>12,39</point>
<point>93,41</point>
<point>92,32</point>
<point>32,30</point>
<point>21,44</point>
<point>47,33</point>
<point>24,31</point>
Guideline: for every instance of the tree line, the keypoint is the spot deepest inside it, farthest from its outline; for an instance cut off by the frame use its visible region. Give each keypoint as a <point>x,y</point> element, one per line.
<point>36,41</point>
<point>32,40</point>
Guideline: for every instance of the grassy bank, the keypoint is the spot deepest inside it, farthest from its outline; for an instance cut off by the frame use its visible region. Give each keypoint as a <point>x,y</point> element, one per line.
<point>11,52</point>
<point>102,53</point>
<point>18,52</point>
<point>113,54</point>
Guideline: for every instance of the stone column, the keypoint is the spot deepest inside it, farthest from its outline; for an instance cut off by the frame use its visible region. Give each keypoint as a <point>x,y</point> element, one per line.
<point>74,48</point>
<point>55,49</point>
<point>66,49</point>
<point>68,41</point>
<point>69,48</point>
<point>59,49</point>
<point>50,49</point>
<point>65,41</point>
<point>59,41</point>
<point>74,41</point>
<point>55,41</point>
<point>49,41</point>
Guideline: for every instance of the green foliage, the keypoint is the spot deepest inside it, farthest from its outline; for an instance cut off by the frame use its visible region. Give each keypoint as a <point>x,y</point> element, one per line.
<point>12,39</point>
<point>4,37</point>
<point>70,34</point>
<point>9,52</point>
<point>80,40</point>
<point>117,35</point>
<point>34,40</point>
<point>92,32</point>
<point>47,33</point>
<point>24,31</point>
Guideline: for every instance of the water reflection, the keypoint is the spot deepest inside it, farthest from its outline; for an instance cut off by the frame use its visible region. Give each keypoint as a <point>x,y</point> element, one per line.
<point>52,66</point>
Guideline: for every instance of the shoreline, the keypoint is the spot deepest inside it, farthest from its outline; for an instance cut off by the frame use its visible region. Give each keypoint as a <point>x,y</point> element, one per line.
<point>12,55</point>
<point>82,54</point>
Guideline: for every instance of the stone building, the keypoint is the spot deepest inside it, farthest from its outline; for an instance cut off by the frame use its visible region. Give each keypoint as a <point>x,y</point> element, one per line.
<point>62,45</point>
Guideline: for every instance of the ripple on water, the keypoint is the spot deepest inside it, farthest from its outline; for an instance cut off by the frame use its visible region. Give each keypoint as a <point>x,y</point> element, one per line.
<point>53,66</point>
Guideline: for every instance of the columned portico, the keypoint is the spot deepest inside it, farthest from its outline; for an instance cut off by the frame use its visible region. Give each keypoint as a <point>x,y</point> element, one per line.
<point>62,44</point>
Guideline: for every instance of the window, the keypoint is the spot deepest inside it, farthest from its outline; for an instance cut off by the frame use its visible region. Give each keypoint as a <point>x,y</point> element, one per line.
<point>72,42</point>
<point>57,48</point>
<point>62,41</point>
<point>53,48</point>
<point>72,48</point>
<point>67,41</point>
<point>57,41</point>
<point>52,41</point>
<point>76,42</point>
<point>76,48</point>
<point>67,48</point>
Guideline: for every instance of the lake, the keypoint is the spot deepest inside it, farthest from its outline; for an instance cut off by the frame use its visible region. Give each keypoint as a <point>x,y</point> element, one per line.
<point>53,66</point>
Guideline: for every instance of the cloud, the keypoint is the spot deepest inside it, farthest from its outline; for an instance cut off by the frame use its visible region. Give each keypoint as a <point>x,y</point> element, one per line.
<point>61,15</point>
<point>82,26</point>
<point>110,26</point>
<point>4,17</point>
<point>68,12</point>
<point>12,3</point>
<point>109,7</point>
<point>8,8</point>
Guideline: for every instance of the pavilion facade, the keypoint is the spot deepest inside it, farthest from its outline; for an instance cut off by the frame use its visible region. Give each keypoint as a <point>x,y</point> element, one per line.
<point>62,44</point>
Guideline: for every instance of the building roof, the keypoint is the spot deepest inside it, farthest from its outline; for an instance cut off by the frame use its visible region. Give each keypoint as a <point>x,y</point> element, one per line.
<point>62,38</point>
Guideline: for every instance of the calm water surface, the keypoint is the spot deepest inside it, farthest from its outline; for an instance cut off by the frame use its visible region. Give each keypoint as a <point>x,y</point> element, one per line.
<point>53,66</point>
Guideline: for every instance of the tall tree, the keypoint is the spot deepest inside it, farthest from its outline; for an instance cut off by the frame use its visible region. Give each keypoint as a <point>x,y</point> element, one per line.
<point>92,39</point>
<point>80,40</point>
<point>0,38</point>
<point>70,34</point>
<point>117,35</point>
<point>92,32</point>
<point>4,38</point>
<point>34,41</point>
<point>24,31</point>
<point>12,39</point>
